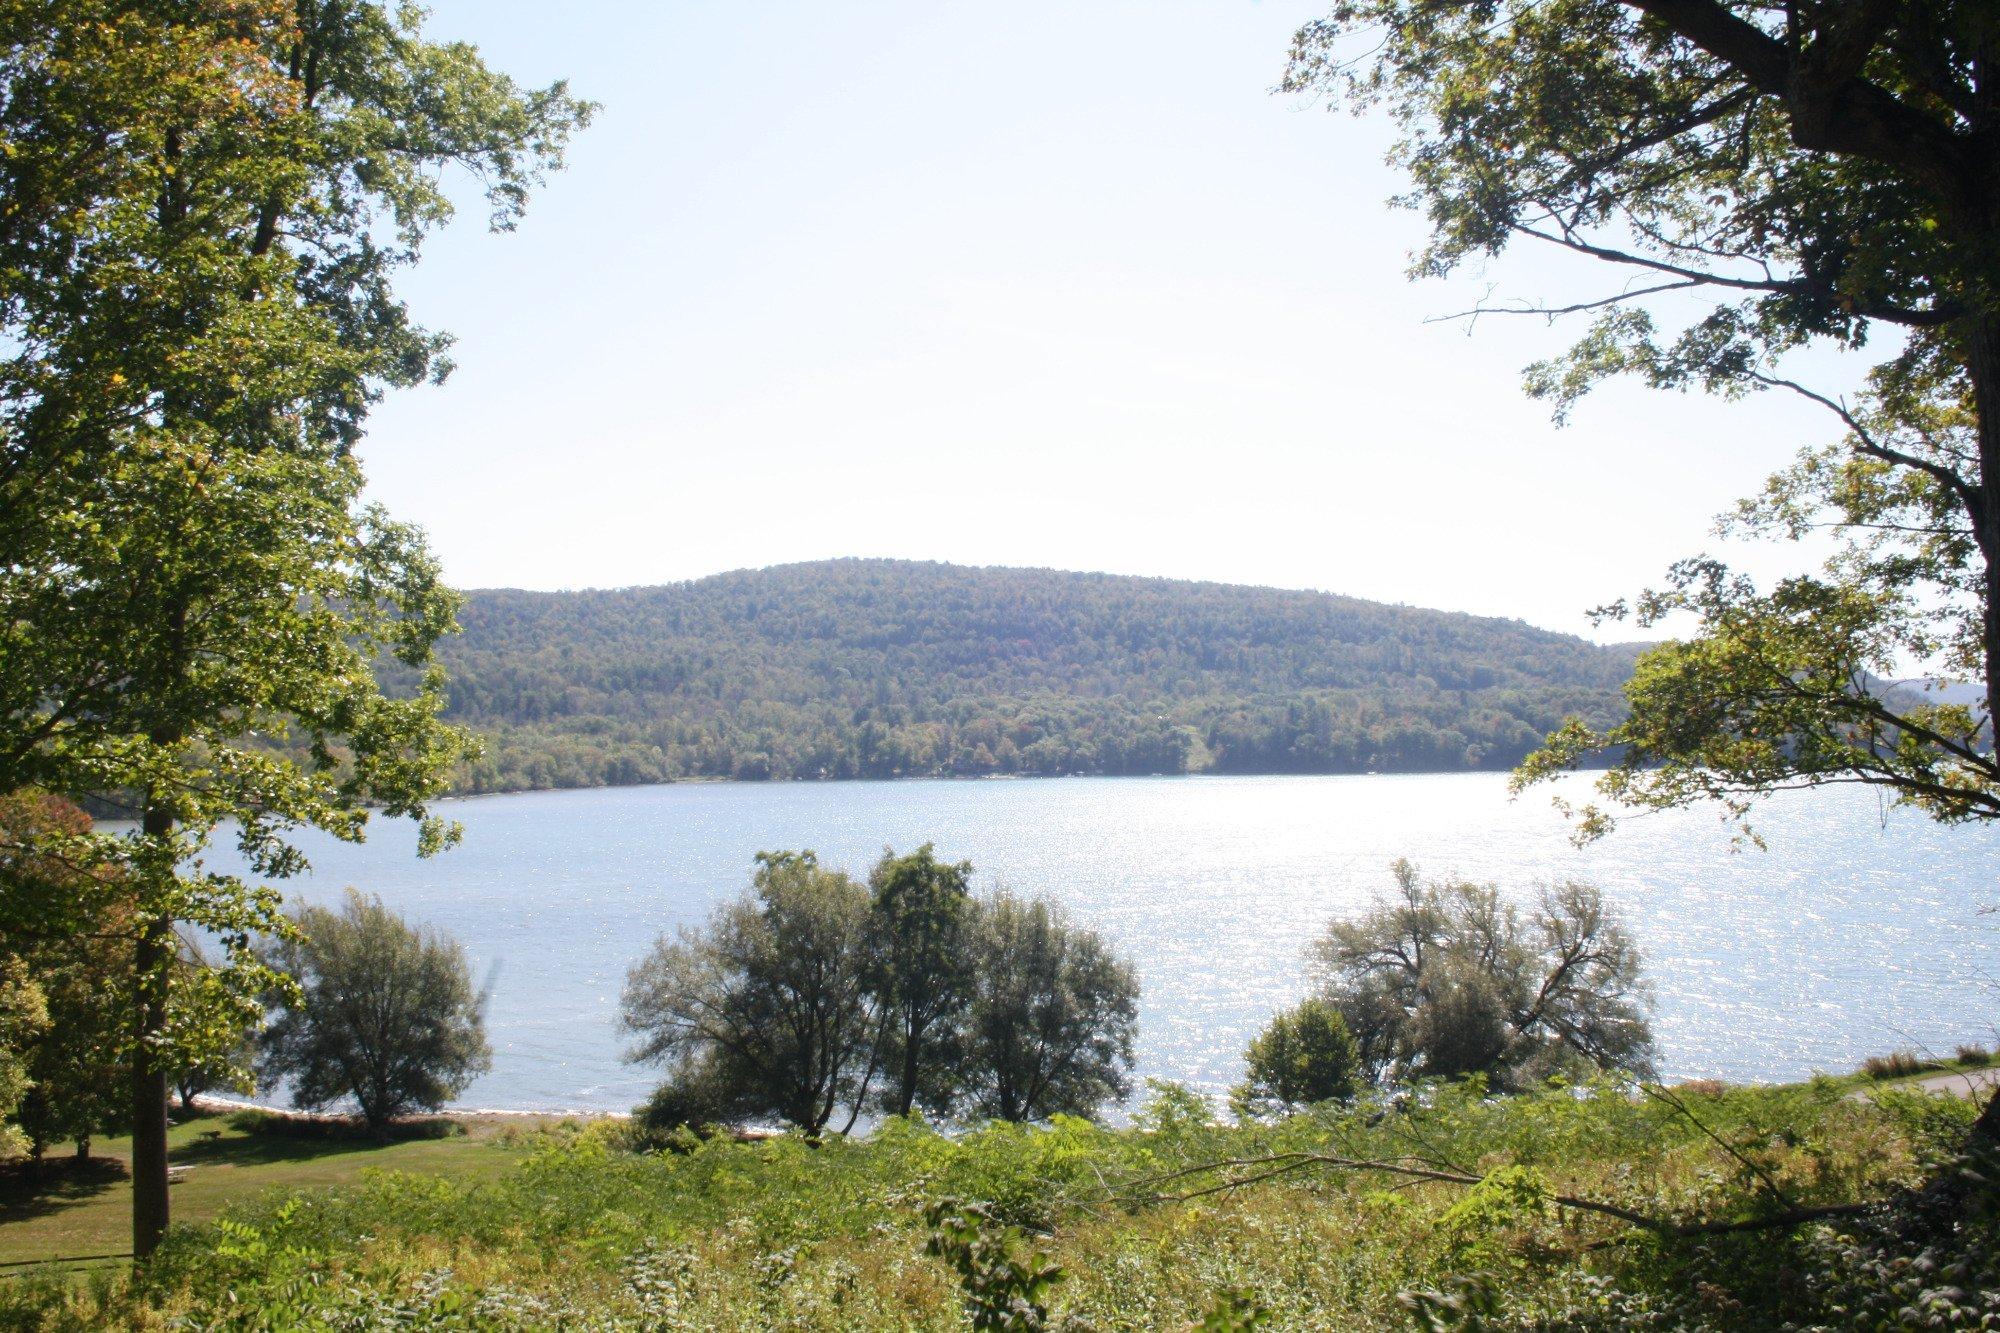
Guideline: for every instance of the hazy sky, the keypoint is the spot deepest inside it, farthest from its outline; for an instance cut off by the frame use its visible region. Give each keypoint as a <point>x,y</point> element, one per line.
<point>1043,284</point>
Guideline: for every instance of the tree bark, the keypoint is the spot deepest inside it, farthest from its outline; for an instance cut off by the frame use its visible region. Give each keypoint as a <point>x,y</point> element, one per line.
<point>151,955</point>
<point>1983,369</point>
<point>906,1090</point>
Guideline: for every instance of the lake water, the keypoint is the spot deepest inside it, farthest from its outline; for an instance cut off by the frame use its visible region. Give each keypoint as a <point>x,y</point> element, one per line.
<point>1851,935</point>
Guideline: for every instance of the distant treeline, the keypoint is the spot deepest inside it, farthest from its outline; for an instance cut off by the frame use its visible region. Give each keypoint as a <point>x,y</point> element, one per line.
<point>881,669</point>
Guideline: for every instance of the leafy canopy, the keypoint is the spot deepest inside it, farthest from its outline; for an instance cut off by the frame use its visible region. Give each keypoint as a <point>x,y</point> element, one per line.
<point>763,1012</point>
<point>1053,1015</point>
<point>1753,180</point>
<point>1303,1057</point>
<point>792,1000</point>
<point>208,203</point>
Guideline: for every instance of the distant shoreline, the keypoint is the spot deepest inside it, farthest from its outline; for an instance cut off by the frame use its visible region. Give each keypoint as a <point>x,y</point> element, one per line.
<point>707,781</point>
<point>209,1104</point>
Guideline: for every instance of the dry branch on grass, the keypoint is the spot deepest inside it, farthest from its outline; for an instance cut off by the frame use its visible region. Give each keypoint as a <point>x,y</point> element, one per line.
<point>1255,1170</point>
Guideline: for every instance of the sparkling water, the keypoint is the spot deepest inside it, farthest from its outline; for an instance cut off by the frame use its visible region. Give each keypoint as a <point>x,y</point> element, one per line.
<point>1853,934</point>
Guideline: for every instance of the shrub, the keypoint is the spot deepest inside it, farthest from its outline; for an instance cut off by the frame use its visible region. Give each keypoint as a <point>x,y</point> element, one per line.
<point>1306,1056</point>
<point>1973,1056</point>
<point>1897,1064</point>
<point>680,1110</point>
<point>1004,1289</point>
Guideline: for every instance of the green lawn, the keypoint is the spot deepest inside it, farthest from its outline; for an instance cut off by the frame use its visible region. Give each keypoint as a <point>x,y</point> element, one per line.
<point>87,1211</point>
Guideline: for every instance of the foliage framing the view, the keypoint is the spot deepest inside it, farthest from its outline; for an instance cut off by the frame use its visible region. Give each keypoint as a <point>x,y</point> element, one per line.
<point>1814,174</point>
<point>207,206</point>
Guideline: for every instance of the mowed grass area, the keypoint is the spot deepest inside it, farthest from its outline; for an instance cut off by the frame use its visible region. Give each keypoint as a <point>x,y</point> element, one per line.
<point>223,1160</point>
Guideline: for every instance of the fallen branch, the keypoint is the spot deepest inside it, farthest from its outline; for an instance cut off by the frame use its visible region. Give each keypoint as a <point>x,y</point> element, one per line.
<point>1282,1164</point>
<point>1763,1175</point>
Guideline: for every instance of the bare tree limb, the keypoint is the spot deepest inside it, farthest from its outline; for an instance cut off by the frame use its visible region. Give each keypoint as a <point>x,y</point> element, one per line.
<point>1248,1171</point>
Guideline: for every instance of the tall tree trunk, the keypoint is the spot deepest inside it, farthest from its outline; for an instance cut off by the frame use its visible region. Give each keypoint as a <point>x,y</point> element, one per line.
<point>906,1088</point>
<point>150,958</point>
<point>1983,368</point>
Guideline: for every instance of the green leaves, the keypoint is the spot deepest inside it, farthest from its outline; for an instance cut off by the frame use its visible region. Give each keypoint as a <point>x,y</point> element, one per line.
<point>1751,183</point>
<point>1782,688</point>
<point>1447,979</point>
<point>1006,1291</point>
<point>206,207</point>
<point>1303,1057</point>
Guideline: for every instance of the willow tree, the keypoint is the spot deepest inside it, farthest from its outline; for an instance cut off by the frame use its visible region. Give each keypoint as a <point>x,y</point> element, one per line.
<point>207,205</point>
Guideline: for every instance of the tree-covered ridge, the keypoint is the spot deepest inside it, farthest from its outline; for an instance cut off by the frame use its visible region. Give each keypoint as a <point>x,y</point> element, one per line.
<point>883,668</point>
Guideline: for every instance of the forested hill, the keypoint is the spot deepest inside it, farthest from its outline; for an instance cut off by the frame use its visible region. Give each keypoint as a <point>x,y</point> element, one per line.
<point>880,668</point>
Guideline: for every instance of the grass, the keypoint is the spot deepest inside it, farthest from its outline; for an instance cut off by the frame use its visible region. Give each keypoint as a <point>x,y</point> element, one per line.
<point>513,1228</point>
<point>86,1208</point>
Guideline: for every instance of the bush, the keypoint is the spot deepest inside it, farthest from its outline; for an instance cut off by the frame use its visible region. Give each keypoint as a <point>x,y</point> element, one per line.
<point>1306,1056</point>
<point>1897,1064</point>
<point>1973,1056</point>
<point>681,1110</point>
<point>389,1016</point>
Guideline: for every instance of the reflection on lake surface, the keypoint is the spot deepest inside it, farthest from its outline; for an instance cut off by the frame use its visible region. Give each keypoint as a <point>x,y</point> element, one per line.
<point>1851,935</point>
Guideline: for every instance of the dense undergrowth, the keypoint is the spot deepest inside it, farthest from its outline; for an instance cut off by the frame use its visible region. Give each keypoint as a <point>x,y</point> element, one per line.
<point>589,1233</point>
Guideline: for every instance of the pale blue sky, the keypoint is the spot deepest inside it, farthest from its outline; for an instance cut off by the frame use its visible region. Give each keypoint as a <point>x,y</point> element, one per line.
<point>1048,284</point>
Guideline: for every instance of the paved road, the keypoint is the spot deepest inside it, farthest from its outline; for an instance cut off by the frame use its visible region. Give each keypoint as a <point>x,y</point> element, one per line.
<point>1977,1081</point>
<point>1974,1083</point>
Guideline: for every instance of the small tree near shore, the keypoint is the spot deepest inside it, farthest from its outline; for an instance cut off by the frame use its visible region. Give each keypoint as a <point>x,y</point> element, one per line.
<point>1052,1018</point>
<point>764,1011</point>
<point>923,921</point>
<point>389,1016</point>
<point>1445,979</point>
<point>1304,1057</point>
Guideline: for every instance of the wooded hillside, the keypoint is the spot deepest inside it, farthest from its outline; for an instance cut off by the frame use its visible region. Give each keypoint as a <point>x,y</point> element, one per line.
<point>881,668</point>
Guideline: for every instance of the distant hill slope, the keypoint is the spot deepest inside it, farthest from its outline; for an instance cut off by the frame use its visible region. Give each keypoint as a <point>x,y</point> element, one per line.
<point>881,668</point>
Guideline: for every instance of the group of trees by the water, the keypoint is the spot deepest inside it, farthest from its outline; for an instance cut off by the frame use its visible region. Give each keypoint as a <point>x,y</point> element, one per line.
<point>207,210</point>
<point>812,1000</point>
<point>880,669</point>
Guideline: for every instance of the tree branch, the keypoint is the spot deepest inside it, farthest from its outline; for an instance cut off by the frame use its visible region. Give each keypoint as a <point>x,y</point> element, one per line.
<point>1283,1164</point>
